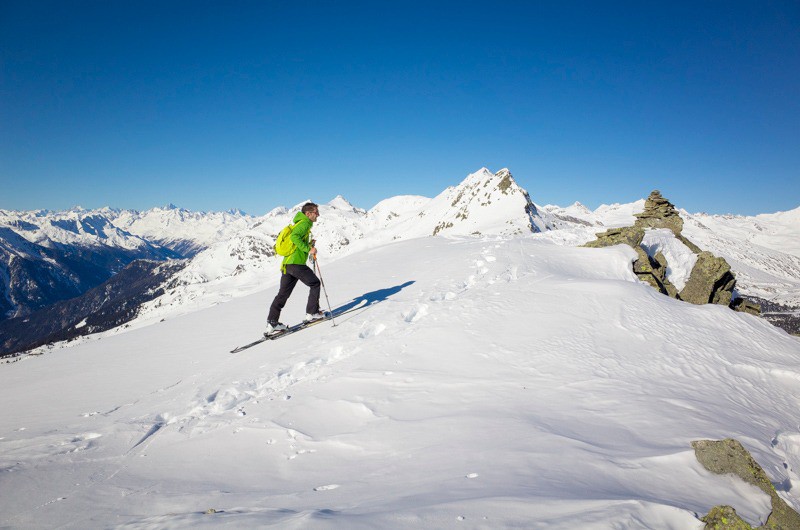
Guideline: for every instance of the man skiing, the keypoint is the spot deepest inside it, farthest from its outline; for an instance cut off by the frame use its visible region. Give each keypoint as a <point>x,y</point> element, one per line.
<point>294,268</point>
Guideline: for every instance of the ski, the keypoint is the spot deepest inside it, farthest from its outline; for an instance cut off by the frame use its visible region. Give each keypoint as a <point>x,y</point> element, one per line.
<point>241,348</point>
<point>298,327</point>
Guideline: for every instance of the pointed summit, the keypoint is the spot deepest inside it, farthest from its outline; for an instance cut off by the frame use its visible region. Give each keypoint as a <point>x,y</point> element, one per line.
<point>487,203</point>
<point>340,203</point>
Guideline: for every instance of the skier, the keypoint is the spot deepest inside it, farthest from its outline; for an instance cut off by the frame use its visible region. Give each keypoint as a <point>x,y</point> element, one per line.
<point>294,268</point>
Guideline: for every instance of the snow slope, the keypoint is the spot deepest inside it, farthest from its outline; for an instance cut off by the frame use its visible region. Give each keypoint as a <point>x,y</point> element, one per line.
<point>483,203</point>
<point>488,383</point>
<point>763,251</point>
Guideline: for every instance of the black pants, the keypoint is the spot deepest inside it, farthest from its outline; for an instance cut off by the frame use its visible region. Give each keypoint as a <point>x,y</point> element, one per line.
<point>288,281</point>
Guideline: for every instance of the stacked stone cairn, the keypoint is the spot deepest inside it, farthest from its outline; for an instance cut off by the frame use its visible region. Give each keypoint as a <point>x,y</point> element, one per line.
<point>711,280</point>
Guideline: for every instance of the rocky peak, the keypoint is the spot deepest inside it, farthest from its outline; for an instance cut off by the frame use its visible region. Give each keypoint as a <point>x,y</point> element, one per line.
<point>505,181</point>
<point>484,203</point>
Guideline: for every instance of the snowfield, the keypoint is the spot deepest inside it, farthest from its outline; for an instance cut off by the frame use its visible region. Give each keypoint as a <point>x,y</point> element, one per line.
<point>487,382</point>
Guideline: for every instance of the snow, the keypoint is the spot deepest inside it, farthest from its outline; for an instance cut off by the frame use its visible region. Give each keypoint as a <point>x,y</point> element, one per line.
<point>608,216</point>
<point>680,258</point>
<point>203,230</point>
<point>484,203</point>
<point>494,378</point>
<point>490,382</point>
<point>763,250</point>
<point>340,203</point>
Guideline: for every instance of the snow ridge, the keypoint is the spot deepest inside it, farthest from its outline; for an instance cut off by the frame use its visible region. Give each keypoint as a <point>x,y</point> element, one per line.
<point>487,381</point>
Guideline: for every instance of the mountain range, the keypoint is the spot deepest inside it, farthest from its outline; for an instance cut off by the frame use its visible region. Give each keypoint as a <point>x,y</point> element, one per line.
<point>496,375</point>
<point>49,257</point>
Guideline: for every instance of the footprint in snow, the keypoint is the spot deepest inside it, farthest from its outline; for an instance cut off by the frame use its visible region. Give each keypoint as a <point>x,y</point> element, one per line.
<point>443,296</point>
<point>86,437</point>
<point>372,331</point>
<point>415,313</point>
<point>302,452</point>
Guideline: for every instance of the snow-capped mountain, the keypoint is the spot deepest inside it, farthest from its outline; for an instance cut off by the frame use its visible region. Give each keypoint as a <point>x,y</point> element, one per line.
<point>185,232</point>
<point>75,227</point>
<point>483,204</point>
<point>46,256</point>
<point>230,254</point>
<point>606,215</point>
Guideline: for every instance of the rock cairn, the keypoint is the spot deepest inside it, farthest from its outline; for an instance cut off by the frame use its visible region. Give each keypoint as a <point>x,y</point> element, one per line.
<point>711,281</point>
<point>659,213</point>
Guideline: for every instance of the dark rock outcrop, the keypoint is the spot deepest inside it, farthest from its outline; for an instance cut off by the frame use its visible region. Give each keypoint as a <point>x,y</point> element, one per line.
<point>631,236</point>
<point>785,317</point>
<point>653,270</point>
<point>107,306</point>
<point>33,276</point>
<point>724,518</point>
<point>730,457</point>
<point>711,281</point>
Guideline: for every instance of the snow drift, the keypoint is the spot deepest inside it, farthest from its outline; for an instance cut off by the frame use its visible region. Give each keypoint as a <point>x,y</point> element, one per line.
<point>488,383</point>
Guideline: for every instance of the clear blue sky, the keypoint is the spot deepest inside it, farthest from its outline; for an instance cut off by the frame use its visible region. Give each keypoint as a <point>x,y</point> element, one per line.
<point>255,104</point>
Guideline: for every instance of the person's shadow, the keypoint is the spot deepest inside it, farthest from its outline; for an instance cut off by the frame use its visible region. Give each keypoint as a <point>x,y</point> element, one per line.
<point>371,298</point>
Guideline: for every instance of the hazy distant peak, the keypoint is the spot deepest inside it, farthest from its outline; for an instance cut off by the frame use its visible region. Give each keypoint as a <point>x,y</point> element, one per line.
<point>340,203</point>
<point>278,211</point>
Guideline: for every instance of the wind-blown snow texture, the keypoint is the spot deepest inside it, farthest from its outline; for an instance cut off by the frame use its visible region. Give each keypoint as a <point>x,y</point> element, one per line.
<point>491,382</point>
<point>495,378</point>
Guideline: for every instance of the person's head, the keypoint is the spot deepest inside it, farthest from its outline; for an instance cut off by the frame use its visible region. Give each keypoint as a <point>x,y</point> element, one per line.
<point>311,211</point>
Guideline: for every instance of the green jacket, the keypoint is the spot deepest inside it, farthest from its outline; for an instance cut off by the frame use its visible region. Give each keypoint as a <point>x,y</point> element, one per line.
<point>301,237</point>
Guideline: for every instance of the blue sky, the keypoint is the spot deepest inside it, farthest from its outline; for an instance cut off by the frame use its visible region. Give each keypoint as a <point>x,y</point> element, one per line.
<point>251,105</point>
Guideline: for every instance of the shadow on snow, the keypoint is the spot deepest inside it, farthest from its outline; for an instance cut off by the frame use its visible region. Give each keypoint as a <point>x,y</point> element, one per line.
<point>371,298</point>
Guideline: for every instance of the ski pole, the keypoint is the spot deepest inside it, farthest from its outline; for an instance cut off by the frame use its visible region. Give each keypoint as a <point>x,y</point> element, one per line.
<point>319,271</point>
